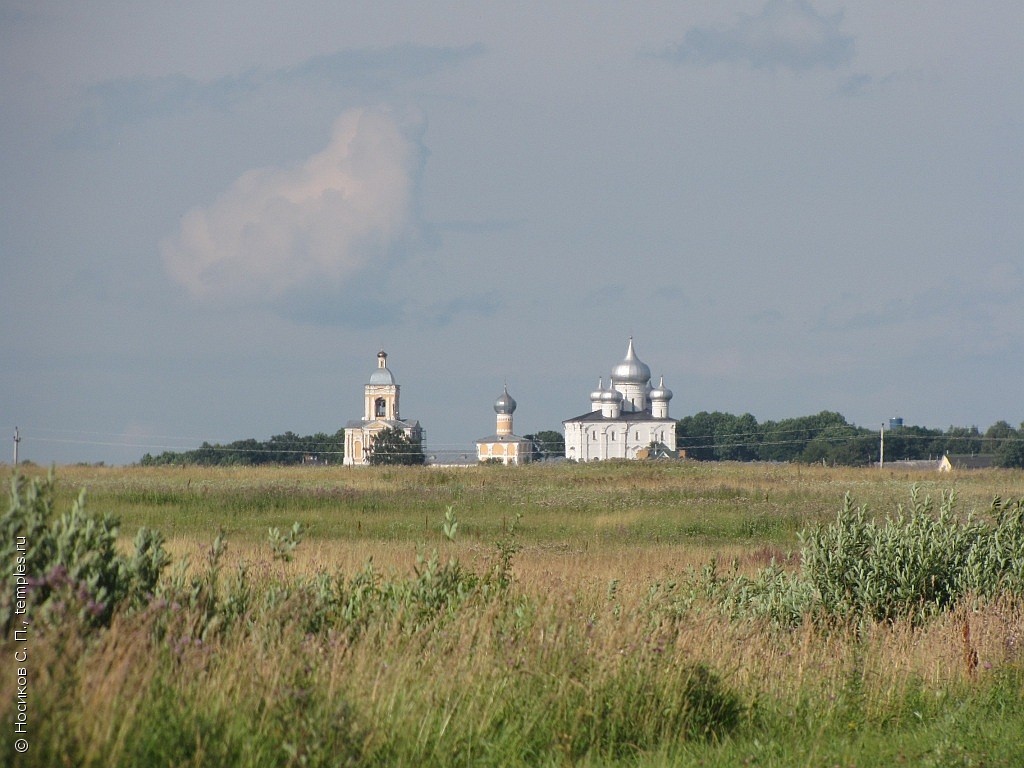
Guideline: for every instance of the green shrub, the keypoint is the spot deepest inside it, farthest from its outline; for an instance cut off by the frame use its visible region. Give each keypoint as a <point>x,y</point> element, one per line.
<point>773,594</point>
<point>282,547</point>
<point>913,564</point>
<point>69,561</point>
<point>996,563</point>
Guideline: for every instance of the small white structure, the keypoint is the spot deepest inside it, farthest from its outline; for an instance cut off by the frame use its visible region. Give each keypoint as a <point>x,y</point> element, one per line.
<point>380,411</point>
<point>504,445</point>
<point>626,419</point>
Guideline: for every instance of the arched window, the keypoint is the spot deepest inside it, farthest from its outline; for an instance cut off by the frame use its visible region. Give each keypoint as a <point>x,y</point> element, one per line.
<point>380,407</point>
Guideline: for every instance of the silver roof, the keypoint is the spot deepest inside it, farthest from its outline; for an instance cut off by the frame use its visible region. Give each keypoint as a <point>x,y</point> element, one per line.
<point>661,392</point>
<point>611,396</point>
<point>632,370</point>
<point>505,403</point>
<point>626,417</point>
<point>383,375</point>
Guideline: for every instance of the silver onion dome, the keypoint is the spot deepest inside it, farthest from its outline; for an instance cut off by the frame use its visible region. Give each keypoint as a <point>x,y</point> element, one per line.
<point>595,396</point>
<point>505,404</point>
<point>661,392</point>
<point>611,396</point>
<point>631,370</point>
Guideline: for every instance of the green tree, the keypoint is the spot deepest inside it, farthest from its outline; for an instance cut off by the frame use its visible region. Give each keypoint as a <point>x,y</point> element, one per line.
<point>393,446</point>
<point>911,442</point>
<point>719,436</point>
<point>959,440</point>
<point>842,444</point>
<point>998,435</point>
<point>1011,454</point>
<point>781,440</point>
<point>791,439</point>
<point>288,448</point>
<point>548,444</point>
<point>736,438</point>
<point>696,434</point>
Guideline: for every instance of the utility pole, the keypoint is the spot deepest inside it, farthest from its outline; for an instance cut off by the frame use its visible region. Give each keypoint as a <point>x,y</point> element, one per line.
<point>881,446</point>
<point>17,439</point>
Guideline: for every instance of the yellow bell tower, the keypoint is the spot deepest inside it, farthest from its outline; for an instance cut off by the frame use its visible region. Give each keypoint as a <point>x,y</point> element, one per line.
<point>380,395</point>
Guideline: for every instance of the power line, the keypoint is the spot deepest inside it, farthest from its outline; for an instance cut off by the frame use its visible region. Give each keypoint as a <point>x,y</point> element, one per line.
<point>182,438</point>
<point>744,439</point>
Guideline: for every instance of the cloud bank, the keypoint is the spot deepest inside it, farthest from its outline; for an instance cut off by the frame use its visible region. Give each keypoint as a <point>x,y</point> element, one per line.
<point>278,236</point>
<point>787,33</point>
<point>111,105</point>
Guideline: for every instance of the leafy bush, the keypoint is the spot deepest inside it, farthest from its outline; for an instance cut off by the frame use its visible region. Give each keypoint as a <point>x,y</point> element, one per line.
<point>911,565</point>
<point>916,563</point>
<point>781,597</point>
<point>282,547</point>
<point>325,603</point>
<point>69,560</point>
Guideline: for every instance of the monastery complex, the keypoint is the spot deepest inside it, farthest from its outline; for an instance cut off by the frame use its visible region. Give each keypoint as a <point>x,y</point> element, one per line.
<point>628,419</point>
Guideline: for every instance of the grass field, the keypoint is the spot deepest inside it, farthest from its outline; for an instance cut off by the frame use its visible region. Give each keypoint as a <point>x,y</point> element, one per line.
<point>686,509</point>
<point>564,621</point>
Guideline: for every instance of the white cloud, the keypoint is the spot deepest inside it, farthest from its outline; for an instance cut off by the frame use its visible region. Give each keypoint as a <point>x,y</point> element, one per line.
<point>277,234</point>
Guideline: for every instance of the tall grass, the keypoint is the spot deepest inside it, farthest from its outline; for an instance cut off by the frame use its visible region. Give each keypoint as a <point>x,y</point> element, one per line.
<point>596,506</point>
<point>482,638</point>
<point>550,680</point>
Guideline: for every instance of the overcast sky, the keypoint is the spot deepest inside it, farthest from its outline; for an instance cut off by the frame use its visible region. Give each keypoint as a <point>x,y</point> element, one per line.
<point>213,215</point>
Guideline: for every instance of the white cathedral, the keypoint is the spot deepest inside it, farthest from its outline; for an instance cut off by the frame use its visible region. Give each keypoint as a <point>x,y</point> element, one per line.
<point>380,411</point>
<point>627,420</point>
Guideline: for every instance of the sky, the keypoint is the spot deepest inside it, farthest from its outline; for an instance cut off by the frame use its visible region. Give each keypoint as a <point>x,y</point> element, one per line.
<point>213,215</point>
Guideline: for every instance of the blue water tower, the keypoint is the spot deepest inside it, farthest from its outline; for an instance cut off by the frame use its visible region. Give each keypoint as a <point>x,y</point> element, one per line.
<point>896,422</point>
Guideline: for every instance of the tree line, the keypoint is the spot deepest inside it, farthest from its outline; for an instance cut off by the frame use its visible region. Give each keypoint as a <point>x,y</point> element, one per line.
<point>824,437</point>
<point>289,448</point>
<point>828,437</point>
<point>390,446</point>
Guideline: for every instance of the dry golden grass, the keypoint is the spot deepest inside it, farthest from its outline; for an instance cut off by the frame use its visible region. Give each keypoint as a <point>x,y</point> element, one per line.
<point>591,544</point>
<point>580,524</point>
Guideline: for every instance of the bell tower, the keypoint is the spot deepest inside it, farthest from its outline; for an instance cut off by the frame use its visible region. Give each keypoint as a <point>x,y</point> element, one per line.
<point>380,411</point>
<point>380,395</point>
